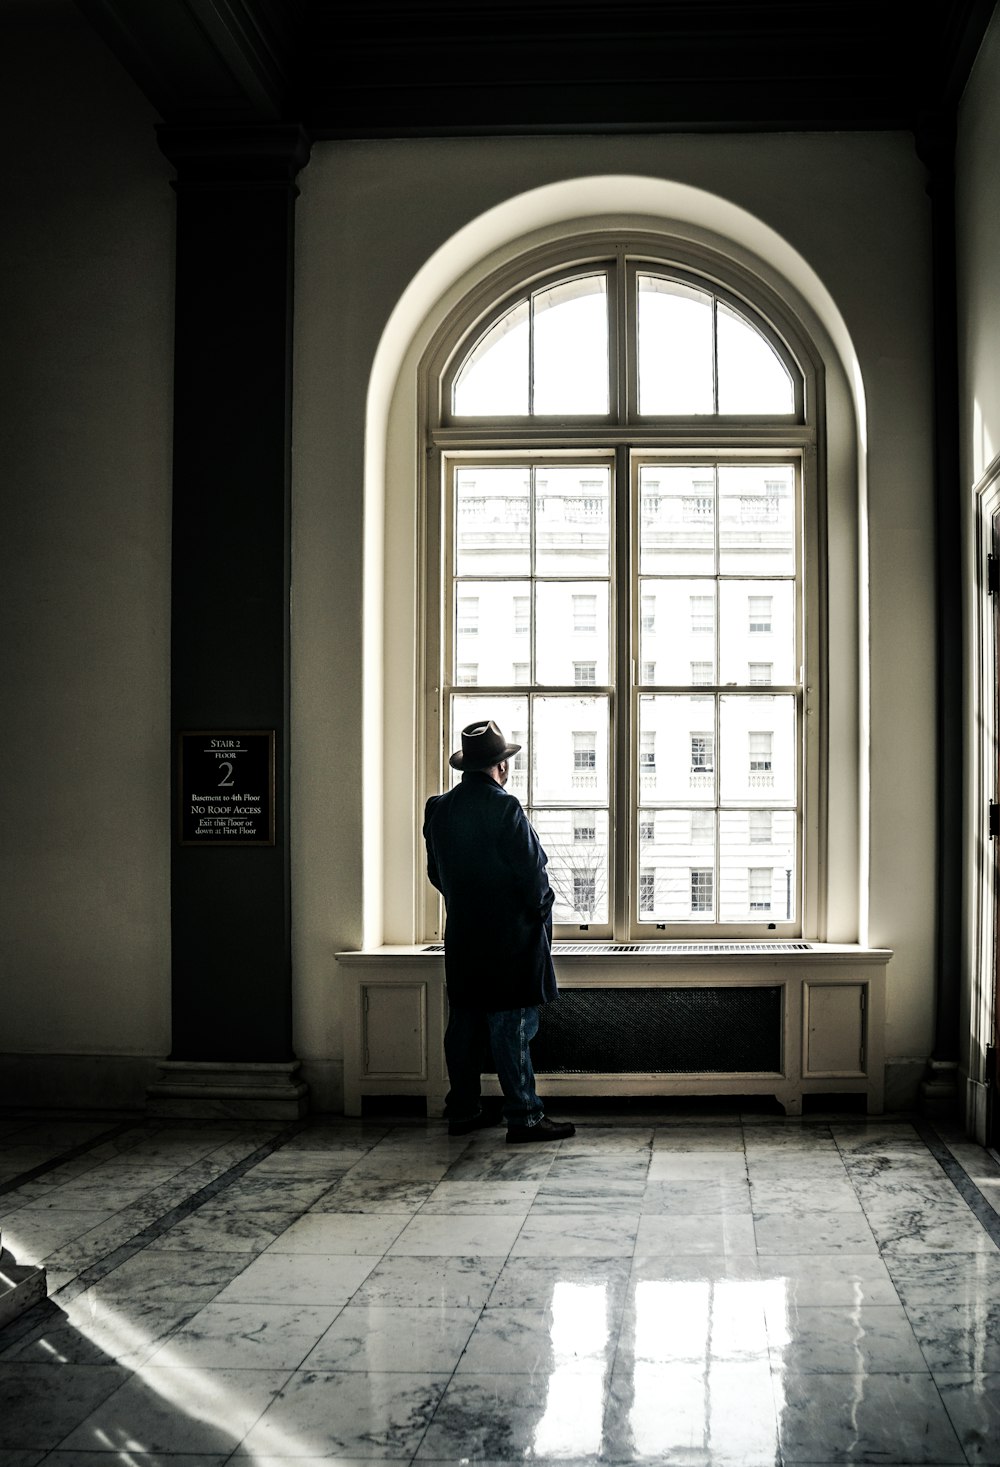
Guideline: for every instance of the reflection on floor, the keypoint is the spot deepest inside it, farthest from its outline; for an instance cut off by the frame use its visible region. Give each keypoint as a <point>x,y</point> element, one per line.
<point>734,1290</point>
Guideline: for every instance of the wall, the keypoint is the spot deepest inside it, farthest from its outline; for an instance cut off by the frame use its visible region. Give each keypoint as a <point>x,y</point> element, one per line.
<point>373,215</point>
<point>86,282</point>
<point>87,287</point>
<point>978,229</point>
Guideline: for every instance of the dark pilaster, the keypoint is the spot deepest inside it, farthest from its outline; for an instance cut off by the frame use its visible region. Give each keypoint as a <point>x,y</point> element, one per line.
<point>230,624</point>
<point>936,146</point>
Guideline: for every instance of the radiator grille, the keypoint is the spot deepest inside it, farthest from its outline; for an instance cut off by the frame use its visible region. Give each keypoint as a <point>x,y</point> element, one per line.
<point>660,1031</point>
<point>660,949</point>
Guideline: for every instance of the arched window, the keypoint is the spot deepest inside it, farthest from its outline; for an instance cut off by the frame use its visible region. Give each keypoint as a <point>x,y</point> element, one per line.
<point>622,572</point>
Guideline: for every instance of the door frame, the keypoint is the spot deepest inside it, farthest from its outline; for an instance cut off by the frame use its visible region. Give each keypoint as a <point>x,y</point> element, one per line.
<point>983,850</point>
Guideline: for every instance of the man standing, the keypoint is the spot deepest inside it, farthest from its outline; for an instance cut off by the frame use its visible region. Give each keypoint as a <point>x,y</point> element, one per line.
<point>486,860</point>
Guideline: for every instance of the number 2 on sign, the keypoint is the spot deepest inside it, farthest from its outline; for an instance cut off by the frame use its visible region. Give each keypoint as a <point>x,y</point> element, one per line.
<point>228,776</point>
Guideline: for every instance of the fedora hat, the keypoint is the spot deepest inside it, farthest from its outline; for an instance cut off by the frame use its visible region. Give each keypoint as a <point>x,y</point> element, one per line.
<point>483,746</point>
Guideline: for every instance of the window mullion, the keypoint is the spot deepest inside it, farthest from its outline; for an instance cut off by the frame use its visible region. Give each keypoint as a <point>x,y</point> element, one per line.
<point>623,693</point>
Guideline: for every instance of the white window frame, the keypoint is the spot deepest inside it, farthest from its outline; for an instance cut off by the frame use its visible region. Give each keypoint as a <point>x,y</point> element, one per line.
<point>628,445</point>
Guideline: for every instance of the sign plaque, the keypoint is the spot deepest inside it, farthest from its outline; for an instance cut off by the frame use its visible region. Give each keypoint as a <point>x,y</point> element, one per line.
<point>226,788</point>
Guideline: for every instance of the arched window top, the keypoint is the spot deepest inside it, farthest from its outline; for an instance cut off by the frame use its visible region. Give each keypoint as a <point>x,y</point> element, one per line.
<point>690,349</point>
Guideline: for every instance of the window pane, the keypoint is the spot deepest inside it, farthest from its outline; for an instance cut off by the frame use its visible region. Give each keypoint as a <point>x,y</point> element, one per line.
<point>752,377</point>
<point>495,376</point>
<point>493,628</point>
<point>753,735</point>
<point>572,520</point>
<point>677,519</point>
<point>492,521</point>
<point>757,520</point>
<point>509,713</point>
<point>572,622</point>
<point>757,841</point>
<point>570,764</point>
<point>676,865</point>
<point>677,629</point>
<point>576,843</point>
<point>757,631</point>
<point>677,749</point>
<point>675,348</point>
<point>571,347</point>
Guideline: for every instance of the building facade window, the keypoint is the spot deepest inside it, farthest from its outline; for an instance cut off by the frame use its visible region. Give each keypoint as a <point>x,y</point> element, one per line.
<point>585,615</point>
<point>468,616</point>
<point>702,615</point>
<point>618,546</point>
<point>702,891</point>
<point>702,753</point>
<point>584,826</point>
<point>702,827</point>
<point>759,885</point>
<point>584,751</point>
<point>761,751</point>
<point>759,608</point>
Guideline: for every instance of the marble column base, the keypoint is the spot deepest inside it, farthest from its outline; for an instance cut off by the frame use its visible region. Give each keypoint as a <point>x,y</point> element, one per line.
<point>207,1089</point>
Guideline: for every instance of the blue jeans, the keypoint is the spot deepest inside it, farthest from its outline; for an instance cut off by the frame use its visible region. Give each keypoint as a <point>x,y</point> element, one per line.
<point>469,1039</point>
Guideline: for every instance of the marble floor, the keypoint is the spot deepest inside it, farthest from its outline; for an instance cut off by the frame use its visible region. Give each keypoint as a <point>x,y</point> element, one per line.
<point>688,1289</point>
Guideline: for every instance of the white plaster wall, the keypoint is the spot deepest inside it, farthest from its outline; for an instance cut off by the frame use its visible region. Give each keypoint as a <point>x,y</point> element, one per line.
<point>86,287</point>
<point>370,217</point>
<point>978,278</point>
<point>978,232</point>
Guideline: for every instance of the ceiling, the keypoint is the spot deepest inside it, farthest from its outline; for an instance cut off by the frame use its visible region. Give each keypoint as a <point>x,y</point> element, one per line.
<point>405,68</point>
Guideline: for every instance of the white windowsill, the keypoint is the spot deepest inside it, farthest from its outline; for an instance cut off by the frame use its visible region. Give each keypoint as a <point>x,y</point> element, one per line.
<point>660,953</point>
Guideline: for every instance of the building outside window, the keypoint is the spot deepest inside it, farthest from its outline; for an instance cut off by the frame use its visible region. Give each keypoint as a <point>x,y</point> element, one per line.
<point>702,890</point>
<point>694,527</point>
<point>584,891</point>
<point>468,616</point>
<point>702,753</point>
<point>647,890</point>
<point>585,615</point>
<point>702,615</point>
<point>760,824</point>
<point>584,751</point>
<point>759,884</point>
<point>702,827</point>
<point>584,826</point>
<point>761,751</point>
<point>760,609</point>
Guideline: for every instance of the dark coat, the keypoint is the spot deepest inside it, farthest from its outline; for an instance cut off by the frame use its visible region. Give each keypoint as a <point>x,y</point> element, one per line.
<point>485,858</point>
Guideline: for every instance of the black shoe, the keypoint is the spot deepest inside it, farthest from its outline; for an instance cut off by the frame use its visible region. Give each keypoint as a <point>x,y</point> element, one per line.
<point>543,1130</point>
<point>477,1123</point>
